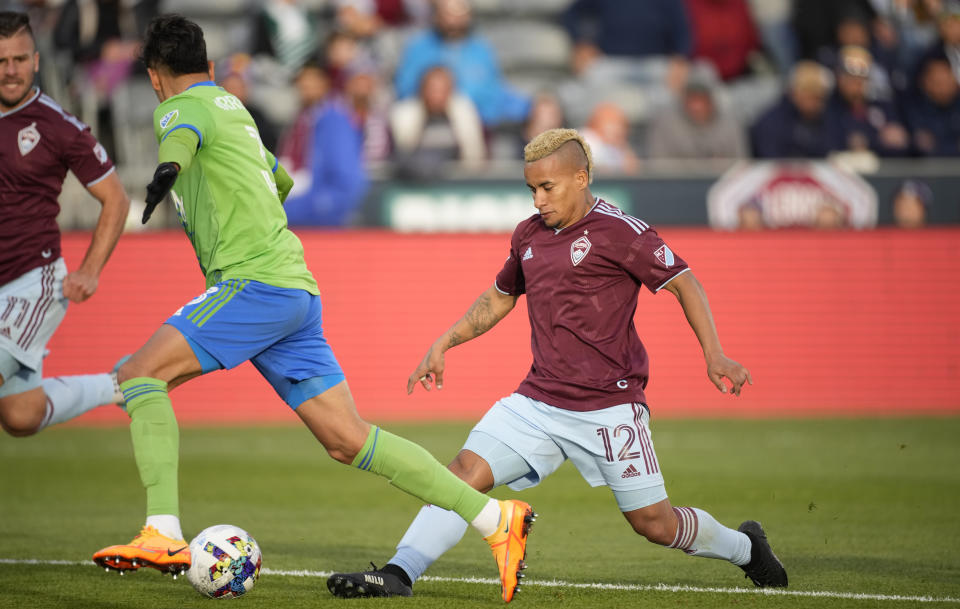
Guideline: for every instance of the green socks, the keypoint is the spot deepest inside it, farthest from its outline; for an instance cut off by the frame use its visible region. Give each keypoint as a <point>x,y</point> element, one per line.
<point>156,442</point>
<point>412,469</point>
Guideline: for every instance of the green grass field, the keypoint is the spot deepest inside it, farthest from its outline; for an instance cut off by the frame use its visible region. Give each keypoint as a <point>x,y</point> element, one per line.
<point>851,507</point>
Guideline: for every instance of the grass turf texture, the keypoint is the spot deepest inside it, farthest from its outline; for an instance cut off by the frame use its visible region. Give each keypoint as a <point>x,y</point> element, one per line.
<point>856,506</point>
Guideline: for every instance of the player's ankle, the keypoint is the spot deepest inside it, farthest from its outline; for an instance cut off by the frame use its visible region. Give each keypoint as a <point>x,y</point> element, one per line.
<point>393,569</point>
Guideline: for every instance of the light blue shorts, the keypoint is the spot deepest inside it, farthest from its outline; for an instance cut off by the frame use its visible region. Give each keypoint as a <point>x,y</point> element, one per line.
<point>525,440</point>
<point>31,309</point>
<point>278,329</point>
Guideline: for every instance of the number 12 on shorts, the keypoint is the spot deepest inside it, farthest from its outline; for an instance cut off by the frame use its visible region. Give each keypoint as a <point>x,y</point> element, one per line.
<point>630,438</point>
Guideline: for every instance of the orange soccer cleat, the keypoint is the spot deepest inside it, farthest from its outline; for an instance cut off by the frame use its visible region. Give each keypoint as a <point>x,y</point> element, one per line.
<point>148,549</point>
<point>509,544</point>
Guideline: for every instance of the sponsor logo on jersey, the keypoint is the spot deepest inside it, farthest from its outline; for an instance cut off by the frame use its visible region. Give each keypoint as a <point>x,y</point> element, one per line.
<point>46,253</point>
<point>579,250</point>
<point>665,256</point>
<point>630,472</point>
<point>527,255</point>
<point>27,139</point>
<point>169,118</point>
<point>100,152</point>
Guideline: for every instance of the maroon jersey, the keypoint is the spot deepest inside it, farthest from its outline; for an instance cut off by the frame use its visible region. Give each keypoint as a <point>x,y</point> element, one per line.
<point>39,142</point>
<point>582,285</point>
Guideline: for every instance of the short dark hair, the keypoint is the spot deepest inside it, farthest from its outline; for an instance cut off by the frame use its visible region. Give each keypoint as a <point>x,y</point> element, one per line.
<point>12,23</point>
<point>176,43</point>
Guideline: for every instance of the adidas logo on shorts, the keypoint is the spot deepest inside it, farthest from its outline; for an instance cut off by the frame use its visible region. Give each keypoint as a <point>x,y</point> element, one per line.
<point>630,472</point>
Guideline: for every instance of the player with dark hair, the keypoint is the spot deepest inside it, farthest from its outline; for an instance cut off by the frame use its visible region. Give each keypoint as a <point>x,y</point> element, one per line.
<point>261,304</point>
<point>39,143</point>
<point>581,262</point>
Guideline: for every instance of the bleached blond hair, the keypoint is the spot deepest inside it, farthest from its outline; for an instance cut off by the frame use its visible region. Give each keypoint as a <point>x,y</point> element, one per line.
<point>551,140</point>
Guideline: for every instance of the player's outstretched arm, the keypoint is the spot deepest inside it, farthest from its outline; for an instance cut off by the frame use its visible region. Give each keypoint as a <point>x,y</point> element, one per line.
<point>693,299</point>
<point>489,308</point>
<point>115,205</point>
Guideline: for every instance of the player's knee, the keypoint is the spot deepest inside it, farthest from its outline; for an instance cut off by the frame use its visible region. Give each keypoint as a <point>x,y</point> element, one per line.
<point>126,372</point>
<point>21,422</point>
<point>344,447</point>
<point>472,469</point>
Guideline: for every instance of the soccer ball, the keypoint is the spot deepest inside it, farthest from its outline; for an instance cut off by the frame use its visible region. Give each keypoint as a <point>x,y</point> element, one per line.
<point>225,562</point>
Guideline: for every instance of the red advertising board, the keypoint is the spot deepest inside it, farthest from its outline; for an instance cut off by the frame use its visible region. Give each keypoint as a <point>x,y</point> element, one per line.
<point>829,323</point>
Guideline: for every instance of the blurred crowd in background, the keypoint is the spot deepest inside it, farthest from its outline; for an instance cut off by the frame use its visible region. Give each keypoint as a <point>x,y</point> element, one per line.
<point>416,90</point>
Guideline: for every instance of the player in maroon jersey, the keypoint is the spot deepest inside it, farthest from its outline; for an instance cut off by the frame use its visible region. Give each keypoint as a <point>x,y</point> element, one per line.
<point>39,142</point>
<point>581,262</point>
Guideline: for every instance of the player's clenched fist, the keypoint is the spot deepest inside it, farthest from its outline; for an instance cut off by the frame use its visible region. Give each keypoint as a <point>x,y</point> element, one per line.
<point>79,286</point>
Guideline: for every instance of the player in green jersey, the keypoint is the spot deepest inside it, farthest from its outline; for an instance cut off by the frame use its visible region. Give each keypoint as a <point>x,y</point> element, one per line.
<point>261,304</point>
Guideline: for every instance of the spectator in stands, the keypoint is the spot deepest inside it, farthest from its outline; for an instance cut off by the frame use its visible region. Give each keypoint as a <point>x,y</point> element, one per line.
<point>453,42</point>
<point>546,113</point>
<point>723,35</point>
<point>854,29</point>
<point>608,133</point>
<point>365,18</point>
<point>436,128</point>
<point>340,49</point>
<point>102,38</point>
<point>947,45</point>
<point>855,122</point>
<point>772,18</point>
<point>234,77</point>
<point>933,115</point>
<point>285,31</point>
<point>346,131</point>
<point>910,204</point>
<point>816,23</point>
<point>795,127</point>
<point>313,87</point>
<point>644,43</point>
<point>915,24</point>
<point>382,26</point>
<point>696,129</point>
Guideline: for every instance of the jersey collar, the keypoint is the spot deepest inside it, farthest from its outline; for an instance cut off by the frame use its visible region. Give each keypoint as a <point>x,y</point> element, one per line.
<point>596,201</point>
<point>36,94</point>
<point>204,83</point>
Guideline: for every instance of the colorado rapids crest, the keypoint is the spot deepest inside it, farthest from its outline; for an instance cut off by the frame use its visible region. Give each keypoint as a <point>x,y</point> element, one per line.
<point>27,139</point>
<point>579,250</point>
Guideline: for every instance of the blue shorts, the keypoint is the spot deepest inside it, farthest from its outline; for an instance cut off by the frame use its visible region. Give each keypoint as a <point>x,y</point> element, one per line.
<point>278,329</point>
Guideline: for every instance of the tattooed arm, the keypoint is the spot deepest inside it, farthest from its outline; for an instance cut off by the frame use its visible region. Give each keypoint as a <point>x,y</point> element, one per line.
<point>489,308</point>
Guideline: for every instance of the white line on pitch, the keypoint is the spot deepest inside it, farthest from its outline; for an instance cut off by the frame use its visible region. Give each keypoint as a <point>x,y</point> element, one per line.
<point>590,586</point>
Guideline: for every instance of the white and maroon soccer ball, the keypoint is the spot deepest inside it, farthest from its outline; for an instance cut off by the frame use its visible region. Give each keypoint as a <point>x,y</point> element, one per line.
<point>224,562</point>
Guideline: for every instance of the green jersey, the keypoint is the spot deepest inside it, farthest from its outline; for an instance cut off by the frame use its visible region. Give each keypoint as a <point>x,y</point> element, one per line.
<point>226,196</point>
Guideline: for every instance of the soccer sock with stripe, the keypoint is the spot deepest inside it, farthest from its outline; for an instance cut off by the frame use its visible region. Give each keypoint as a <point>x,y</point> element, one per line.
<point>156,445</point>
<point>411,468</point>
<point>699,534</point>
<point>71,396</point>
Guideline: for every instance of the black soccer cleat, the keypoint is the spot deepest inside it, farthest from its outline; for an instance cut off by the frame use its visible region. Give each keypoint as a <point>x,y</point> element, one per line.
<point>764,569</point>
<point>368,584</point>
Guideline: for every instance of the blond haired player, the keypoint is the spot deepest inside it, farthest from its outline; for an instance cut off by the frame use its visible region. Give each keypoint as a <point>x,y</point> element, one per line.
<point>580,261</point>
